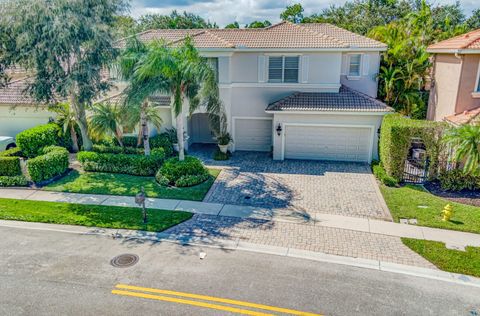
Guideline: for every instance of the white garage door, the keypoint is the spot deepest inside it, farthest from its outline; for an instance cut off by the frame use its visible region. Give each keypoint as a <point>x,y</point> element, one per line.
<point>253,134</point>
<point>328,143</point>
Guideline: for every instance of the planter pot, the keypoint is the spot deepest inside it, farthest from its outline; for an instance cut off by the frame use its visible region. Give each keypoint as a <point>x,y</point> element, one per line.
<point>223,148</point>
<point>175,147</point>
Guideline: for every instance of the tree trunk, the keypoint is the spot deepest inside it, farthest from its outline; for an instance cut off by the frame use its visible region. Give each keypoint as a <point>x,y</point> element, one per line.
<point>180,139</point>
<point>80,115</point>
<point>119,136</point>
<point>73,136</point>
<point>139,137</point>
<point>145,133</point>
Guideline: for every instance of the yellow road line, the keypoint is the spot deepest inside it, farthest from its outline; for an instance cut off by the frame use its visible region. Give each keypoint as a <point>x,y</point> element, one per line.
<point>216,299</point>
<point>188,302</point>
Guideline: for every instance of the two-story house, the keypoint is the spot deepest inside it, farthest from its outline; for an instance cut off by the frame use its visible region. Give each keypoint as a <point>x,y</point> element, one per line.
<point>455,92</point>
<point>304,91</point>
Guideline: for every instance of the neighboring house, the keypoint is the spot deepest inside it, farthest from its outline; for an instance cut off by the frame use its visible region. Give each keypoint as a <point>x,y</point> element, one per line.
<point>18,111</point>
<point>455,92</point>
<point>304,91</point>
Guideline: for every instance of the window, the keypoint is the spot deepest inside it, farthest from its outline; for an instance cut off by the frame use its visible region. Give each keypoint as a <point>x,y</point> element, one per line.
<point>213,62</point>
<point>354,65</point>
<point>283,69</point>
<point>478,80</point>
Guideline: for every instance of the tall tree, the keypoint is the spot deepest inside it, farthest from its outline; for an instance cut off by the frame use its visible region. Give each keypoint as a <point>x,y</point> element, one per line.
<point>124,26</point>
<point>292,13</point>
<point>107,119</point>
<point>66,44</point>
<point>258,24</point>
<point>233,25</point>
<point>178,71</point>
<point>174,20</point>
<point>473,22</point>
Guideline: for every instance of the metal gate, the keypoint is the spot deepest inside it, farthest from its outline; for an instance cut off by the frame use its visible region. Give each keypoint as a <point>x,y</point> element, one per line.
<point>416,171</point>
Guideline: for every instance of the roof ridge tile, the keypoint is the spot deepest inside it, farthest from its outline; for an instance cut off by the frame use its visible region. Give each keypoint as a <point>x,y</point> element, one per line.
<point>318,33</point>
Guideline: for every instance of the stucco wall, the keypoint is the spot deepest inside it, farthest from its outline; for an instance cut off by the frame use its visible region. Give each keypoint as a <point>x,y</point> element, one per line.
<point>443,96</point>
<point>15,120</point>
<point>367,82</point>
<point>468,79</point>
<point>331,119</point>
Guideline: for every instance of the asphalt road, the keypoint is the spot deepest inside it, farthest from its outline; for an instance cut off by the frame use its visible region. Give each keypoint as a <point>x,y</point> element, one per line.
<point>52,273</point>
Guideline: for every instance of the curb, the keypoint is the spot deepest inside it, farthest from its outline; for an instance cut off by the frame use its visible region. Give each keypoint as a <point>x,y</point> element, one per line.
<point>187,240</point>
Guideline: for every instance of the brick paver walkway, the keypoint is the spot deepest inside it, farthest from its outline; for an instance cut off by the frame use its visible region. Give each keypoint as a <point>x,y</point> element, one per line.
<point>254,179</point>
<point>301,236</point>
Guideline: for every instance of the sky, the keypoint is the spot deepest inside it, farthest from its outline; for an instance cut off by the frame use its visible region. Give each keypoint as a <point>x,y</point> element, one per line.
<point>245,11</point>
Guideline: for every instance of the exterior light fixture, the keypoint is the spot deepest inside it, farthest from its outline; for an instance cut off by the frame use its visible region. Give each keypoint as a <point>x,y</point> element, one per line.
<point>279,129</point>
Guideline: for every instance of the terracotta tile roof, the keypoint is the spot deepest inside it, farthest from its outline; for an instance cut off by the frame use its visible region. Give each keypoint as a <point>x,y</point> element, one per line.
<point>281,35</point>
<point>345,100</point>
<point>470,40</point>
<point>466,117</point>
<point>14,93</point>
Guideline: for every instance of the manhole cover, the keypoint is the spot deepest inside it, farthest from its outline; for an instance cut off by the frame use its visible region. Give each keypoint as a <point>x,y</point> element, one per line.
<point>124,261</point>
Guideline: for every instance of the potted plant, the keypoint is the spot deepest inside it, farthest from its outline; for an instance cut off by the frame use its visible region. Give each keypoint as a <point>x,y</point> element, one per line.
<point>224,141</point>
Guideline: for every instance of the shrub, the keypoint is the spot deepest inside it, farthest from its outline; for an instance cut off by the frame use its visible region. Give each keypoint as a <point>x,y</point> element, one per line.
<point>32,140</point>
<point>395,140</point>
<point>52,162</point>
<point>139,165</point>
<point>382,175</point>
<point>162,141</point>
<point>12,152</point>
<point>182,173</point>
<point>456,180</point>
<point>117,150</point>
<point>10,166</point>
<point>15,181</point>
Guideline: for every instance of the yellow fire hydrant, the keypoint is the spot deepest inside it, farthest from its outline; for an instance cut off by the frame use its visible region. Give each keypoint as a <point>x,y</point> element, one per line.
<point>447,213</point>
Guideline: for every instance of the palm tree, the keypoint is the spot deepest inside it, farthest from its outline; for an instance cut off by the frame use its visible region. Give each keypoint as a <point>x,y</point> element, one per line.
<point>68,120</point>
<point>137,115</point>
<point>465,141</point>
<point>178,71</point>
<point>106,119</point>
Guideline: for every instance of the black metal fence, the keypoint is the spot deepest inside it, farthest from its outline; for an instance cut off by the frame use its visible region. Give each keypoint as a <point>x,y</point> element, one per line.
<point>416,171</point>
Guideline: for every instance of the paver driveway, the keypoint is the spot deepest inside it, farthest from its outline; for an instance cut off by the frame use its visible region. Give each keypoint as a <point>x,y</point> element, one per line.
<point>308,187</point>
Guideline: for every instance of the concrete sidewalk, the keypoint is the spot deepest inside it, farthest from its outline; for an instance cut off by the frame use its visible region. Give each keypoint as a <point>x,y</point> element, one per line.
<point>453,239</point>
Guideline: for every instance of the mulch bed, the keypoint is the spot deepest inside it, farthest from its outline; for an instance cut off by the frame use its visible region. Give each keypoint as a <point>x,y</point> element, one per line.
<point>464,197</point>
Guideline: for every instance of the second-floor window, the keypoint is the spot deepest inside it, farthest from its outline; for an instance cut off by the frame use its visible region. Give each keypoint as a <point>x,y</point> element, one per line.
<point>354,65</point>
<point>283,69</point>
<point>213,62</point>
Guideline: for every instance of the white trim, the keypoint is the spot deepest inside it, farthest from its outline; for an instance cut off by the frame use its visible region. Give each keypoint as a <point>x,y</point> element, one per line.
<point>304,65</point>
<point>329,112</point>
<point>360,66</point>
<point>371,127</point>
<point>330,86</point>
<point>215,54</point>
<point>453,51</point>
<point>476,95</point>
<point>234,118</point>
<point>476,89</point>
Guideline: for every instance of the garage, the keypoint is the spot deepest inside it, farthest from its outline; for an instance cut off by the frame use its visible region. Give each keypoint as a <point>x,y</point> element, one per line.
<point>323,142</point>
<point>252,134</point>
<point>341,126</point>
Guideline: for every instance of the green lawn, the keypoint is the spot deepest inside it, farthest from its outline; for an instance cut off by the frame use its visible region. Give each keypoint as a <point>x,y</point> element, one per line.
<point>123,184</point>
<point>414,202</point>
<point>464,262</point>
<point>89,215</point>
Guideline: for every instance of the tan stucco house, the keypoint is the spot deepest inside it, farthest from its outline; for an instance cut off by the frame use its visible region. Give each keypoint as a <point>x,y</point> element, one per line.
<point>303,91</point>
<point>455,92</point>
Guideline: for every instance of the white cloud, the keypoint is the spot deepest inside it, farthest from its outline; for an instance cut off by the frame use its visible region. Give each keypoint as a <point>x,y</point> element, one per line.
<point>245,11</point>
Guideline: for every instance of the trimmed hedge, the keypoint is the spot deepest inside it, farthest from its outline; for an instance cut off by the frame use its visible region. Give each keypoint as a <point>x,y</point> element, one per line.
<point>117,150</point>
<point>10,166</point>
<point>396,134</point>
<point>138,165</point>
<point>185,173</point>
<point>32,140</point>
<point>12,152</point>
<point>52,162</point>
<point>157,141</point>
<point>382,175</point>
<point>456,180</point>
<point>15,181</point>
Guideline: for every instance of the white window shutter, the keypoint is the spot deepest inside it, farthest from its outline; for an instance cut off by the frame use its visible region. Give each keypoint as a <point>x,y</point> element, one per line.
<point>261,68</point>
<point>305,68</point>
<point>366,65</point>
